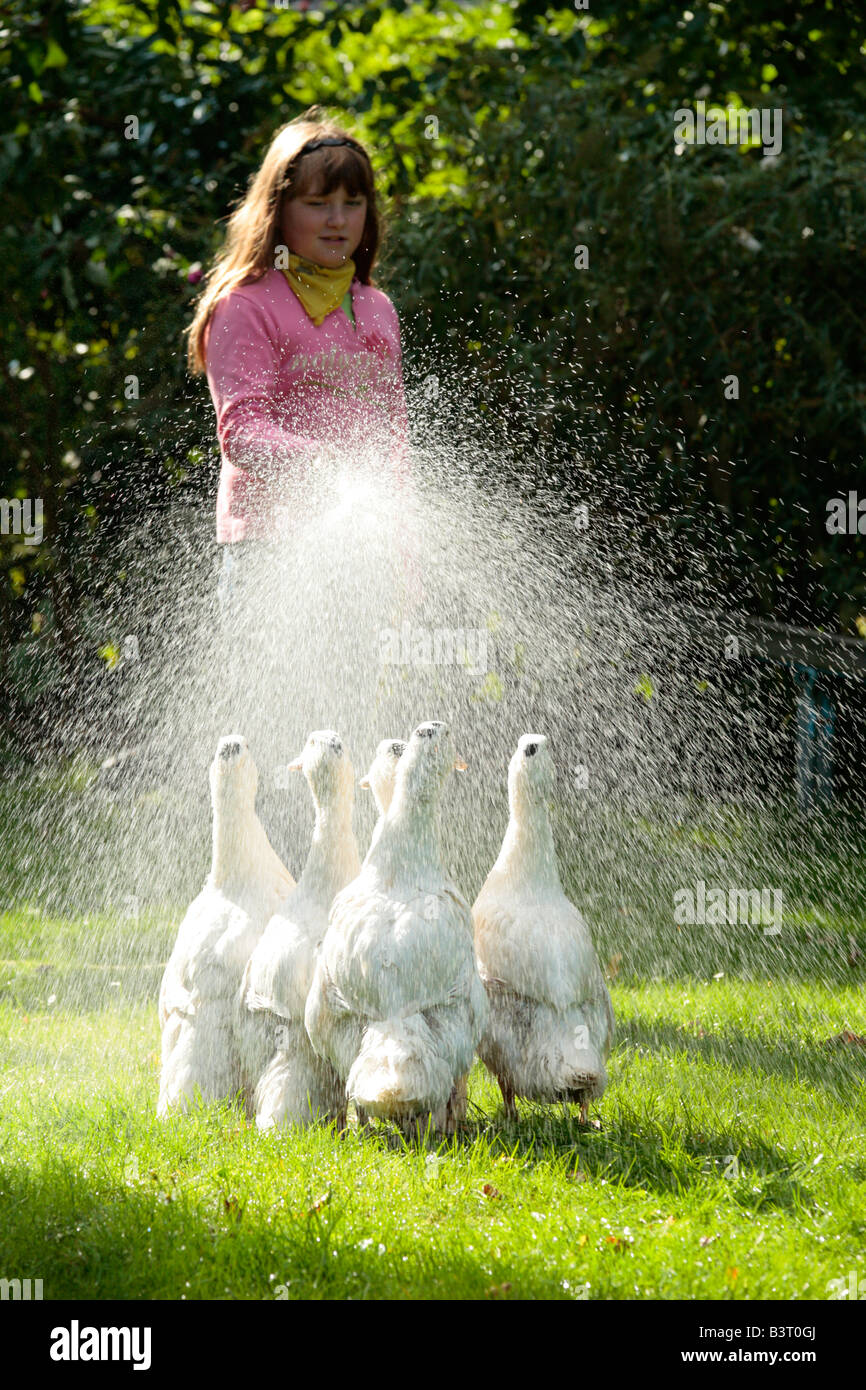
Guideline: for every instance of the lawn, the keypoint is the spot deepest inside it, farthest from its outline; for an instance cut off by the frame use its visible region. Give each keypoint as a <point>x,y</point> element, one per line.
<point>726,1160</point>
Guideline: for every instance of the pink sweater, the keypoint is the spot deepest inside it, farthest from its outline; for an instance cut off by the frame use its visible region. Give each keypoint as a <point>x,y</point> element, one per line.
<point>284,390</point>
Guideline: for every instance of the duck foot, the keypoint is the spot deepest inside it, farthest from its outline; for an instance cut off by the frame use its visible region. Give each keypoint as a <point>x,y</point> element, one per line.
<point>414,1128</point>
<point>508,1098</point>
<point>455,1110</point>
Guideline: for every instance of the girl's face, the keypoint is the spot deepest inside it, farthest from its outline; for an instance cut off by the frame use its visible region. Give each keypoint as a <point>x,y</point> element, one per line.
<point>324,228</point>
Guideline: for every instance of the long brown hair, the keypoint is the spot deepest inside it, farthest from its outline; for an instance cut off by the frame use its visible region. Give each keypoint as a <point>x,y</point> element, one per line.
<point>253,231</point>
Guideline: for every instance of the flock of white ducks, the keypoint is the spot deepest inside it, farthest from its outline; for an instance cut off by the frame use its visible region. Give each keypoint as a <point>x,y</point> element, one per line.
<point>373,982</point>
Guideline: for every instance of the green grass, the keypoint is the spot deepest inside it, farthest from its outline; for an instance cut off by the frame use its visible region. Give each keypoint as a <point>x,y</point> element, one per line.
<point>730,1161</point>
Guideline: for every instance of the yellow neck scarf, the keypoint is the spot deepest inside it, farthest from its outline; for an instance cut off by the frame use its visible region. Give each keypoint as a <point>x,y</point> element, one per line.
<point>320,288</point>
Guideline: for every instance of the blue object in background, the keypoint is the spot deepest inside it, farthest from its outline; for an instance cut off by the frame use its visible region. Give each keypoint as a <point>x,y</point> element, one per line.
<point>815,724</point>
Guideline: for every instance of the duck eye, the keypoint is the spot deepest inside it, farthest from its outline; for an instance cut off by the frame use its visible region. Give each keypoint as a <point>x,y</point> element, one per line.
<point>531,749</point>
<point>426,730</point>
<point>337,746</point>
<point>396,749</point>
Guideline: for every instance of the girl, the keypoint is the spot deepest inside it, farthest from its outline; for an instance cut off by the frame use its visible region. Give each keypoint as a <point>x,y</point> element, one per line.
<point>302,352</point>
<point>303,361</point>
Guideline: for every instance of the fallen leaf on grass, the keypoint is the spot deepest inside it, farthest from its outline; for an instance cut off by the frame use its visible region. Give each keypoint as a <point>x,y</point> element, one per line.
<point>731,1273</point>
<point>846,1039</point>
<point>498,1290</point>
<point>490,1191</point>
<point>621,1242</point>
<point>693,1023</point>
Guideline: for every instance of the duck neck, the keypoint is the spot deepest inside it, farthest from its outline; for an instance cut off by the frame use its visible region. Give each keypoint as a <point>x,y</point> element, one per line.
<point>409,833</point>
<point>333,858</point>
<point>528,850</point>
<point>235,842</point>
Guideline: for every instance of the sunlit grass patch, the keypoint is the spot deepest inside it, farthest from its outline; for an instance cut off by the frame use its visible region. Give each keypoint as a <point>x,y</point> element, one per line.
<point>729,1161</point>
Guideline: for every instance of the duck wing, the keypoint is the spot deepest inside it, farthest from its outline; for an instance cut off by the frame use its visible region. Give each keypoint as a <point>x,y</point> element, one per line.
<point>537,948</point>
<point>280,970</point>
<point>386,952</point>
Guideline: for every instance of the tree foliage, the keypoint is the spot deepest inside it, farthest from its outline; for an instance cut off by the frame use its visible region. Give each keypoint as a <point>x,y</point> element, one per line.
<point>506,137</point>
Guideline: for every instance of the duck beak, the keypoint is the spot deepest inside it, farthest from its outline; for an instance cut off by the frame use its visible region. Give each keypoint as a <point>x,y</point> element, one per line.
<point>365,782</point>
<point>296,765</point>
<point>459,765</point>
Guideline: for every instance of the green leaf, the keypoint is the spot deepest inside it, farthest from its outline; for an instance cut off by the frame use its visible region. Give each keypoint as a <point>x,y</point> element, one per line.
<point>491,688</point>
<point>55,57</point>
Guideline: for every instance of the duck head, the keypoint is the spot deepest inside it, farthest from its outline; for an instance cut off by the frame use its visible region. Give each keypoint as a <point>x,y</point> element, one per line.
<point>383,771</point>
<point>531,774</point>
<point>326,766</point>
<point>233,774</point>
<point>427,761</point>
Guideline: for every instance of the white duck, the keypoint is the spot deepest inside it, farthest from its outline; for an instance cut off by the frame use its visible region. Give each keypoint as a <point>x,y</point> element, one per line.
<point>292,1084</point>
<point>380,779</point>
<point>246,883</point>
<point>551,1019</point>
<point>396,1004</point>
